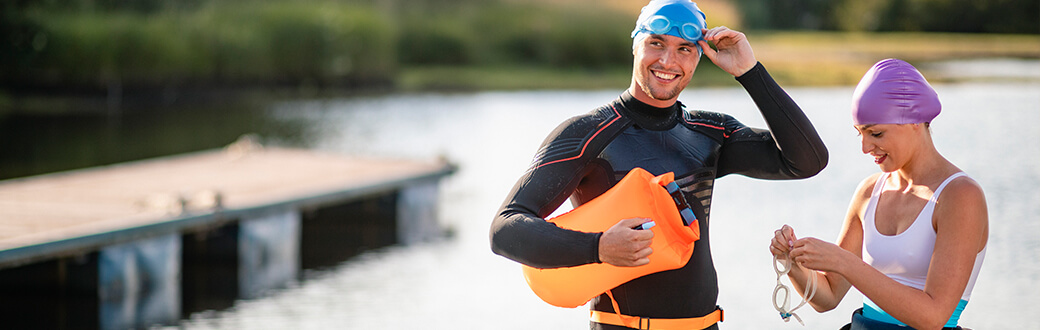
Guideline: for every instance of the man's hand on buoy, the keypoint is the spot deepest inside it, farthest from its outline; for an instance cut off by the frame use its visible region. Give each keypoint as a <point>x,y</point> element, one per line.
<point>623,246</point>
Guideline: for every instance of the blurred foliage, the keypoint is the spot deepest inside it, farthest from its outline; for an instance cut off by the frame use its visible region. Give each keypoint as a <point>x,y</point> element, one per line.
<point>127,45</point>
<point>967,16</point>
<point>227,42</point>
<point>97,44</point>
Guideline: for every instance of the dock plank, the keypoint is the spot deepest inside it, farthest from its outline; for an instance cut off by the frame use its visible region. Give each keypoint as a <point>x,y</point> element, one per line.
<point>57,212</point>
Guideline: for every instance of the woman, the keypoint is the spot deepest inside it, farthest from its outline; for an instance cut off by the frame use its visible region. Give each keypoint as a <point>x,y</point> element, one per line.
<point>914,236</point>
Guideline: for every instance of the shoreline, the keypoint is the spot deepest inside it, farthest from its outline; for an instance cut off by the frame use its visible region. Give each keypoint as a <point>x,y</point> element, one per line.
<point>832,69</point>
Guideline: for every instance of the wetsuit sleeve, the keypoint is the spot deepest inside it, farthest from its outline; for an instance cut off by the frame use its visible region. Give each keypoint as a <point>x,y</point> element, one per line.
<point>519,230</point>
<point>790,149</point>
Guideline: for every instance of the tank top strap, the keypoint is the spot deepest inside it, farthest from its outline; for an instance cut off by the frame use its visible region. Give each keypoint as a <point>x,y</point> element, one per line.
<point>929,208</point>
<point>935,195</point>
<point>879,185</point>
<point>875,195</point>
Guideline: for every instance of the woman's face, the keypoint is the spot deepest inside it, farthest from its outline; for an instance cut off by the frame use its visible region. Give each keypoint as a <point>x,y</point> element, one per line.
<point>891,145</point>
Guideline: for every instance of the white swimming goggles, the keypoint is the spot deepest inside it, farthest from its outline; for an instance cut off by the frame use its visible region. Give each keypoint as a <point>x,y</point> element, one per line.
<point>782,301</point>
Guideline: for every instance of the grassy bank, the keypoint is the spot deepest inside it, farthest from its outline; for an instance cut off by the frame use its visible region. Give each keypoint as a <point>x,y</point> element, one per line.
<point>330,46</point>
<point>221,43</point>
<point>840,58</point>
<point>338,44</point>
<point>794,59</point>
<point>454,78</point>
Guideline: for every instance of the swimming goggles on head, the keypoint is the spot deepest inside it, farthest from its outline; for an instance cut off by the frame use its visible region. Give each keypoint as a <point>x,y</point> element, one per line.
<point>659,24</point>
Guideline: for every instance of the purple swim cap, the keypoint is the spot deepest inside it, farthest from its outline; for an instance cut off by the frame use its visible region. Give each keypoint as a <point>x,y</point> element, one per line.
<point>894,92</point>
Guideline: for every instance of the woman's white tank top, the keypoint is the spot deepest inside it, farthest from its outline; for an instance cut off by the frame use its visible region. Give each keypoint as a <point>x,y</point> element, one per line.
<point>905,257</point>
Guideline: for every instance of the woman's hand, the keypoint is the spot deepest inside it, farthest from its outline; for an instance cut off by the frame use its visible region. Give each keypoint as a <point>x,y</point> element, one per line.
<point>782,240</point>
<point>816,254</point>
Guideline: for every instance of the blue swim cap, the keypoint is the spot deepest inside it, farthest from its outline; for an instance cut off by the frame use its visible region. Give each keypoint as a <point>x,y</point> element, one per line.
<point>680,18</point>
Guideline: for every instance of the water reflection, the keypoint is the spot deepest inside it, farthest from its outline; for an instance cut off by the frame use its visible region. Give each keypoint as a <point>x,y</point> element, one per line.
<point>33,143</point>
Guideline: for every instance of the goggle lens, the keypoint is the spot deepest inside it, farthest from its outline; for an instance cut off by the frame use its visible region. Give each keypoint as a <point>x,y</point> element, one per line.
<point>690,31</point>
<point>661,25</point>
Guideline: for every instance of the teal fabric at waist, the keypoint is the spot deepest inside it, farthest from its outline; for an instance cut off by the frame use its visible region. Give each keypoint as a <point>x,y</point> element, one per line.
<point>873,312</point>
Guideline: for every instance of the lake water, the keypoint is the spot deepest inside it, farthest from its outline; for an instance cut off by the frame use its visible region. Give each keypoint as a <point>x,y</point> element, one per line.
<point>989,129</point>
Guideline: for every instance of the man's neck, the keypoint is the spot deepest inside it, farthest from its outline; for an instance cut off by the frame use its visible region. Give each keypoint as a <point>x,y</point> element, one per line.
<point>647,116</point>
<point>638,93</point>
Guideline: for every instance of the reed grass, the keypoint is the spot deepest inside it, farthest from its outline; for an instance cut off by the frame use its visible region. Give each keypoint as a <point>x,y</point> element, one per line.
<point>418,45</point>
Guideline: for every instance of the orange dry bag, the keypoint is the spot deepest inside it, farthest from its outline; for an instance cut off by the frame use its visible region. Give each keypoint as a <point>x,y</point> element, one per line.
<point>638,195</point>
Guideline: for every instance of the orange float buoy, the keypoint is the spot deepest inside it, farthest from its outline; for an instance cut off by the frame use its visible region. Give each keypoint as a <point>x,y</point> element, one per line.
<point>638,195</point>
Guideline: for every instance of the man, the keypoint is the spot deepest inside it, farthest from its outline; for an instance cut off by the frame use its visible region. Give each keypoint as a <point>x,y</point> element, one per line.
<point>647,127</point>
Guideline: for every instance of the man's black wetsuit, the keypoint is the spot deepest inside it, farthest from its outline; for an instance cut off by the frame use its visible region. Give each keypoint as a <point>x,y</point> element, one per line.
<point>586,155</point>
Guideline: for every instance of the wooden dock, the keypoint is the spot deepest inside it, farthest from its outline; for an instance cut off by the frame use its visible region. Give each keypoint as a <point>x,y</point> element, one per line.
<point>68,213</point>
<point>150,242</point>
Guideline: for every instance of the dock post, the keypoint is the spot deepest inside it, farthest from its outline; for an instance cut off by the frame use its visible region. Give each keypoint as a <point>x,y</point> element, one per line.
<point>269,252</point>
<point>417,212</point>
<point>139,283</point>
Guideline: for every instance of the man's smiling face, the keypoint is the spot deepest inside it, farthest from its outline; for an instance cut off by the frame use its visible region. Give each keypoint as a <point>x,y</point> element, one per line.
<point>662,67</point>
